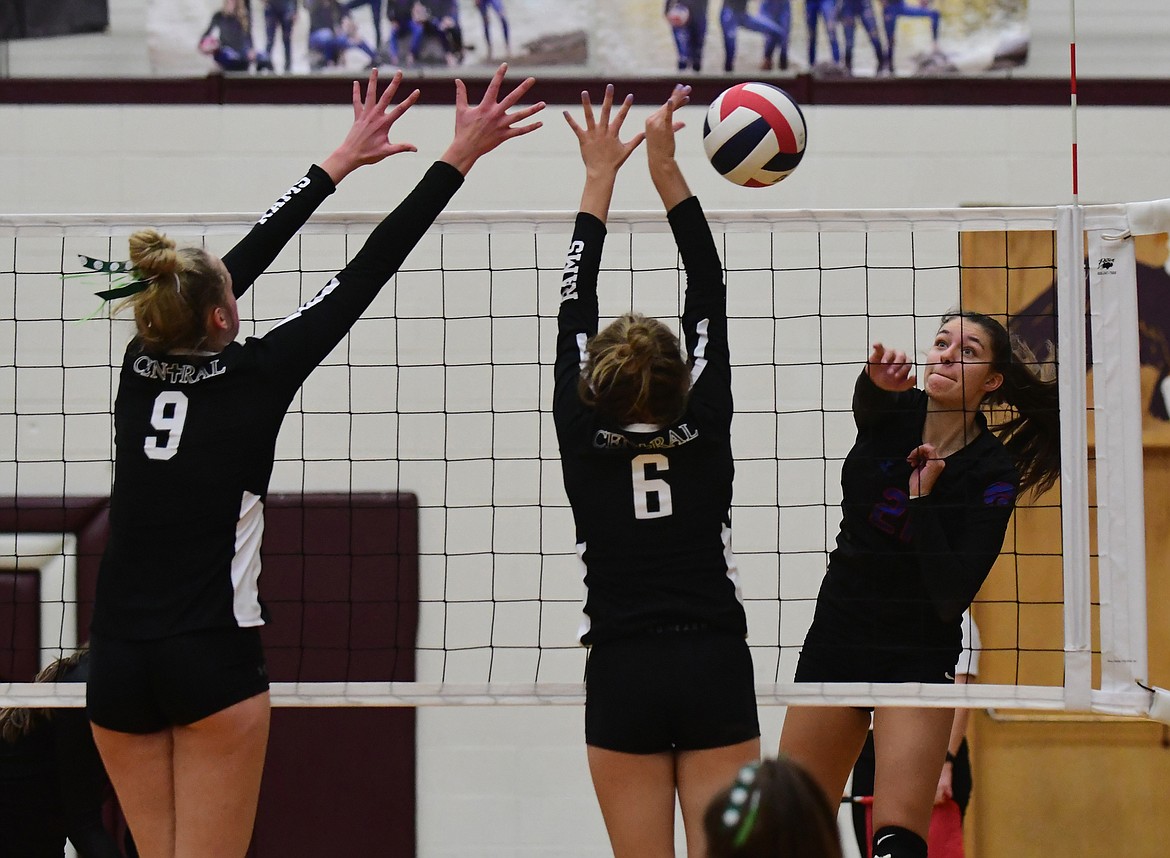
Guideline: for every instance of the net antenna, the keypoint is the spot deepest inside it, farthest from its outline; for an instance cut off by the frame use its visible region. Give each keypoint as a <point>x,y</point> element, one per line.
<point>443,391</point>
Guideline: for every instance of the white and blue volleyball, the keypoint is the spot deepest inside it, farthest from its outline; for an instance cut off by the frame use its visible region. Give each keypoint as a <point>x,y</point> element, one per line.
<point>754,134</point>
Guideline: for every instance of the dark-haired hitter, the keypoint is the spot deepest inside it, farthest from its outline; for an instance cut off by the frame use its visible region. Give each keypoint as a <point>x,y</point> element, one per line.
<point>645,441</point>
<point>928,489</point>
<point>178,692</point>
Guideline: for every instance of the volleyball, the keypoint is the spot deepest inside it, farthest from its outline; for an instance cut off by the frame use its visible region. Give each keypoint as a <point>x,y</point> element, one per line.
<point>754,134</point>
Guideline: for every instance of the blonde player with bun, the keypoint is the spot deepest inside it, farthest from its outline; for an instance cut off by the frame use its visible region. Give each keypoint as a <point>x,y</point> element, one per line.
<point>178,690</point>
<point>645,442</point>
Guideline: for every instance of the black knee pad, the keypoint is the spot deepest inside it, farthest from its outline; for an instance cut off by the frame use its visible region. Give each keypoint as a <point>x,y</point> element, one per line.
<point>894,841</point>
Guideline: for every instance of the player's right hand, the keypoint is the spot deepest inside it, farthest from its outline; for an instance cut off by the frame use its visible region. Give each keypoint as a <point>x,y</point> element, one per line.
<point>661,125</point>
<point>890,369</point>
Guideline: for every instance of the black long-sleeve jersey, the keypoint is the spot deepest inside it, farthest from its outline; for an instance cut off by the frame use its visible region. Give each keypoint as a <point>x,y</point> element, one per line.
<point>53,785</point>
<point>904,570</point>
<point>232,32</point>
<point>652,504</point>
<point>195,434</point>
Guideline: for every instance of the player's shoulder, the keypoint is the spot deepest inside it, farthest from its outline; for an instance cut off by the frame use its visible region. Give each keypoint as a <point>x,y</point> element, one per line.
<point>994,471</point>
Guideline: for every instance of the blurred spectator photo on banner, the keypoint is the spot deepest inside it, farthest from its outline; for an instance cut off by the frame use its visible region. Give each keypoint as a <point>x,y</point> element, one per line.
<point>743,39</point>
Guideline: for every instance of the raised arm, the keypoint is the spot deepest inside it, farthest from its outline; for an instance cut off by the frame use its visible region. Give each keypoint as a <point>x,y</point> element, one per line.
<point>704,317</point>
<point>367,142</point>
<point>664,170</point>
<point>305,338</point>
<point>602,153</point>
<point>887,373</point>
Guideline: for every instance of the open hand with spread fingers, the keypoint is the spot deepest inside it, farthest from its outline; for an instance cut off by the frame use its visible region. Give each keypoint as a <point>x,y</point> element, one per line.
<point>481,128</point>
<point>368,139</point>
<point>602,149</point>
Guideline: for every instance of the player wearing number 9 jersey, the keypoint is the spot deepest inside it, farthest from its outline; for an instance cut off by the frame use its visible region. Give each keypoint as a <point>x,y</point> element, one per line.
<point>178,693</point>
<point>645,442</point>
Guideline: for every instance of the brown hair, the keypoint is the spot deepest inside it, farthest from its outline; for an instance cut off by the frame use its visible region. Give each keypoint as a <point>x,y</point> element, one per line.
<point>243,13</point>
<point>186,284</point>
<point>16,723</point>
<point>634,372</point>
<point>1029,425</point>
<point>774,809</point>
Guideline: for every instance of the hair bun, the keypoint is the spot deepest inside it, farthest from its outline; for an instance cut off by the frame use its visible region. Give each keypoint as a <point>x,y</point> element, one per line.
<point>152,253</point>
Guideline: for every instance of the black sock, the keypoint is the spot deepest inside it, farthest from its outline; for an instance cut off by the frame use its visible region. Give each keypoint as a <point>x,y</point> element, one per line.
<point>893,841</point>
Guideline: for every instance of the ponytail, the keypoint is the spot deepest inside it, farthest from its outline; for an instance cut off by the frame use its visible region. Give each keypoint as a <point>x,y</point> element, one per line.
<point>185,285</point>
<point>1030,423</point>
<point>634,372</point>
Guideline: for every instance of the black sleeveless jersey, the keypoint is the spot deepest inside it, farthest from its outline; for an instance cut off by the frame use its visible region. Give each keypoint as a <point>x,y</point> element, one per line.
<point>904,570</point>
<point>195,434</point>
<point>651,504</point>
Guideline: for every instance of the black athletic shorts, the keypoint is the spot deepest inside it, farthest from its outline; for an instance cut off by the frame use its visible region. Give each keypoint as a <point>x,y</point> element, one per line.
<point>147,686</point>
<point>832,661</point>
<point>673,689</point>
<point>856,641</point>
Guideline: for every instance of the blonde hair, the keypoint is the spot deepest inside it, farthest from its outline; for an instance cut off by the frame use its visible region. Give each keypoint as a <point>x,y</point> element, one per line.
<point>15,723</point>
<point>634,372</point>
<point>186,285</point>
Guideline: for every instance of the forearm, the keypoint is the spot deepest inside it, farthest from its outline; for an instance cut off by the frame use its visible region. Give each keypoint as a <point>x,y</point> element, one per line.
<point>275,228</point>
<point>700,256</point>
<point>598,192</point>
<point>398,233</point>
<point>870,403</point>
<point>953,568</point>
<point>339,165</point>
<point>958,730</point>
<point>668,181</point>
<point>304,339</point>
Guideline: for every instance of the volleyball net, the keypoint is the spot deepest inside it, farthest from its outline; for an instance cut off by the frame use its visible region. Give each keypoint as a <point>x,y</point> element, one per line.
<point>428,555</point>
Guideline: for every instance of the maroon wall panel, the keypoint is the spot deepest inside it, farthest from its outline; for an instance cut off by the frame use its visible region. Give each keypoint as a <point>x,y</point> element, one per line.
<point>340,582</point>
<point>20,625</point>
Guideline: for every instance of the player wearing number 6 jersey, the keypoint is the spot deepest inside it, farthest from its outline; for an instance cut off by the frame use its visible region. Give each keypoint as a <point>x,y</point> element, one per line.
<point>645,440</point>
<point>178,693</point>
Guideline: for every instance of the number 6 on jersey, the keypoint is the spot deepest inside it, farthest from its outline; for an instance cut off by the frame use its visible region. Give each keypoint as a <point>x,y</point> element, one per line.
<point>647,487</point>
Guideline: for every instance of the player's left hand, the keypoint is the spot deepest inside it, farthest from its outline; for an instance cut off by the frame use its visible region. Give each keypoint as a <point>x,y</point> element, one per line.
<point>927,467</point>
<point>602,149</point>
<point>368,139</point>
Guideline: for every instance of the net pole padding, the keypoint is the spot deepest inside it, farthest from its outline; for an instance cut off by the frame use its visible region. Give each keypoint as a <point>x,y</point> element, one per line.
<point>1074,458</point>
<point>1117,406</point>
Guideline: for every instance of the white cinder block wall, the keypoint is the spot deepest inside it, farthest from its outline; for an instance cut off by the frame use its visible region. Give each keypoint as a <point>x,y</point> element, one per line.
<point>511,781</point>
